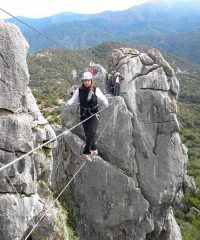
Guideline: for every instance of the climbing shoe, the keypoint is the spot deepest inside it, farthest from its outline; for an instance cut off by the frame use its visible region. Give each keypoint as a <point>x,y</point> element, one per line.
<point>86,152</point>
<point>87,158</point>
<point>94,152</point>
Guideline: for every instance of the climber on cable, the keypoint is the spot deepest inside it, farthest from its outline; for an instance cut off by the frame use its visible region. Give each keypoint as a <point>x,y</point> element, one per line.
<point>89,96</point>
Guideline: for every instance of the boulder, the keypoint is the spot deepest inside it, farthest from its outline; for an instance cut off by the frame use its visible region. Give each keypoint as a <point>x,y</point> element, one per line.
<point>139,146</point>
<point>24,187</point>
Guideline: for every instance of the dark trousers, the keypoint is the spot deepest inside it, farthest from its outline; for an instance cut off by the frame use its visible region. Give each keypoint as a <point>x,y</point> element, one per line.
<point>116,89</point>
<point>110,87</point>
<point>90,127</point>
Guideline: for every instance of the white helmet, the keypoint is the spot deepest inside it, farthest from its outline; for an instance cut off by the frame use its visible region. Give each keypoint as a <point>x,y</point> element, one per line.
<point>87,75</point>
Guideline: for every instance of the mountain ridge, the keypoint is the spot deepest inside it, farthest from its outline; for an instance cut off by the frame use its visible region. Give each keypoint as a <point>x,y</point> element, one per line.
<point>170,27</point>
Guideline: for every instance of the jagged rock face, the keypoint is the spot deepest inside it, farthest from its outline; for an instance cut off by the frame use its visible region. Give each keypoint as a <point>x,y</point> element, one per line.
<point>150,94</point>
<point>24,192</point>
<point>100,77</point>
<point>150,90</point>
<point>107,198</point>
<point>126,193</point>
<point>13,69</point>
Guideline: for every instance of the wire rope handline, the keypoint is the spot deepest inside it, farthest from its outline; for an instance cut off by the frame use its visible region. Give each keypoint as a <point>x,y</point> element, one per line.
<point>26,238</point>
<point>58,136</point>
<point>53,139</point>
<point>105,127</point>
<point>49,141</point>
<point>36,224</point>
<point>6,175</point>
<point>34,29</point>
<point>81,165</point>
<point>52,204</point>
<point>68,182</point>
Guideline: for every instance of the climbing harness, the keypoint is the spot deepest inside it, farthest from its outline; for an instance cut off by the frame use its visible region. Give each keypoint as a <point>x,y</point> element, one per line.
<point>85,112</point>
<point>81,165</point>
<point>53,139</point>
<point>60,135</point>
<point>35,225</point>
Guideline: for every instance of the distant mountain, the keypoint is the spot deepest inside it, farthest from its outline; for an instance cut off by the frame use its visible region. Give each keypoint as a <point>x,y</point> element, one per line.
<point>172,26</point>
<point>42,23</point>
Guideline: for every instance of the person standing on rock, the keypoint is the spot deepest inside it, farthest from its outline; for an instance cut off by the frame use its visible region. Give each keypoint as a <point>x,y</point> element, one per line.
<point>91,68</point>
<point>117,80</point>
<point>110,82</point>
<point>89,96</point>
<point>74,85</point>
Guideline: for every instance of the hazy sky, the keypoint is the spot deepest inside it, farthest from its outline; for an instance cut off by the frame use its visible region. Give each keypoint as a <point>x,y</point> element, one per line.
<point>41,8</point>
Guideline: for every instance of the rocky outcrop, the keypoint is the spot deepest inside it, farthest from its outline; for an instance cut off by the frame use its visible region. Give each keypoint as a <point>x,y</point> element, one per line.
<point>24,187</point>
<point>126,192</point>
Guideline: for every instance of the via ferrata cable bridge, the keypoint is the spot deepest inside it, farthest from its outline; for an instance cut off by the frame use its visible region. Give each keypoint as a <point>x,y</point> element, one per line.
<point>3,168</point>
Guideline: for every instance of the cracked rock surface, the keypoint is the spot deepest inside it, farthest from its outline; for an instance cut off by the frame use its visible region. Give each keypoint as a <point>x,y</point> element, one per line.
<point>24,191</point>
<point>126,192</point>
